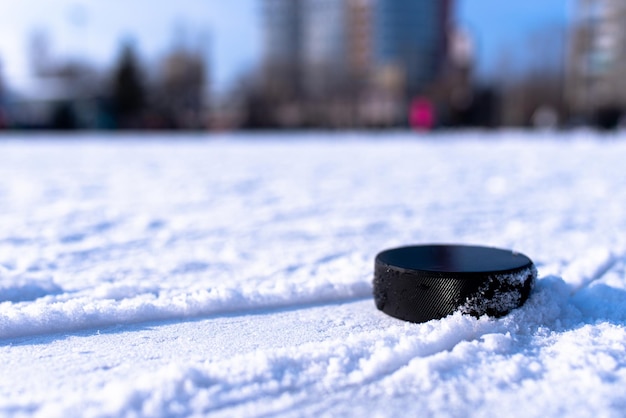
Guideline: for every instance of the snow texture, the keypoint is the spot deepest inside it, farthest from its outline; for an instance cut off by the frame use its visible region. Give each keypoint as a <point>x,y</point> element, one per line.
<point>501,293</point>
<point>231,275</point>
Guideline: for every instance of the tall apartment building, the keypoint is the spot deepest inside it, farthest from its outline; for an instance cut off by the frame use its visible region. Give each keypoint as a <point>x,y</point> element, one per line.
<point>410,37</point>
<point>597,57</point>
<point>283,46</point>
<point>324,46</point>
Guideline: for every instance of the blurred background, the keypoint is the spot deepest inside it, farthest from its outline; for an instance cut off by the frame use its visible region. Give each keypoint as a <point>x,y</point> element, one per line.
<point>297,64</point>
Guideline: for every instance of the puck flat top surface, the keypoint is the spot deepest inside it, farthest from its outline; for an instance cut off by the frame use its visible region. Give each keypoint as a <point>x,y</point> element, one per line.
<point>460,259</point>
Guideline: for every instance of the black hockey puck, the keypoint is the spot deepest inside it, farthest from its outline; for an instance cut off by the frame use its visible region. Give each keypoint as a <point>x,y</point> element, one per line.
<point>424,282</point>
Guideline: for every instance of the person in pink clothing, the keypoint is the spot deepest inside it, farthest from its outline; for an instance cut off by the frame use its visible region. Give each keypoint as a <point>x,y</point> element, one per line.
<point>422,114</point>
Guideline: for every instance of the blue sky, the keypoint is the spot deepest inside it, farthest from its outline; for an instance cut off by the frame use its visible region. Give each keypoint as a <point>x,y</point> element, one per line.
<point>506,26</point>
<point>93,29</point>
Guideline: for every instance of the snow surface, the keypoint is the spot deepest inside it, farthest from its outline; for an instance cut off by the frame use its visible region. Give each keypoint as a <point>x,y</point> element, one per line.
<point>231,275</point>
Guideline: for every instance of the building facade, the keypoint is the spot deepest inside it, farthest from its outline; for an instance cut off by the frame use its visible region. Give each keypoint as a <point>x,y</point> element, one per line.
<point>324,46</point>
<point>410,37</point>
<point>597,58</point>
<point>283,46</point>
<point>342,50</point>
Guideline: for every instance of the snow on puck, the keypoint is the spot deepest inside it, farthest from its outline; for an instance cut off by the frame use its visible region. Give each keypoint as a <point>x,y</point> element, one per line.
<point>424,282</point>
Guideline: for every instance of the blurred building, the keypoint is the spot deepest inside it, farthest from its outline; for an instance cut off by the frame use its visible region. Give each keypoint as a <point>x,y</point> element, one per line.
<point>410,37</point>
<point>67,96</point>
<point>359,31</point>
<point>350,60</point>
<point>283,45</point>
<point>180,90</point>
<point>324,45</point>
<point>61,93</point>
<point>595,82</point>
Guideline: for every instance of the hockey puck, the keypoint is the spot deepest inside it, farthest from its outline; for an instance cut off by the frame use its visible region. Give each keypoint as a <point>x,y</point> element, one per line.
<point>424,282</point>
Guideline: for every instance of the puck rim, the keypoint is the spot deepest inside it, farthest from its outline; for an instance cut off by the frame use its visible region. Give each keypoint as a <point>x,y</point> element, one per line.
<point>419,295</point>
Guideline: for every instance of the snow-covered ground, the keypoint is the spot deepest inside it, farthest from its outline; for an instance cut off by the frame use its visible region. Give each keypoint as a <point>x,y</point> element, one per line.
<point>231,275</point>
